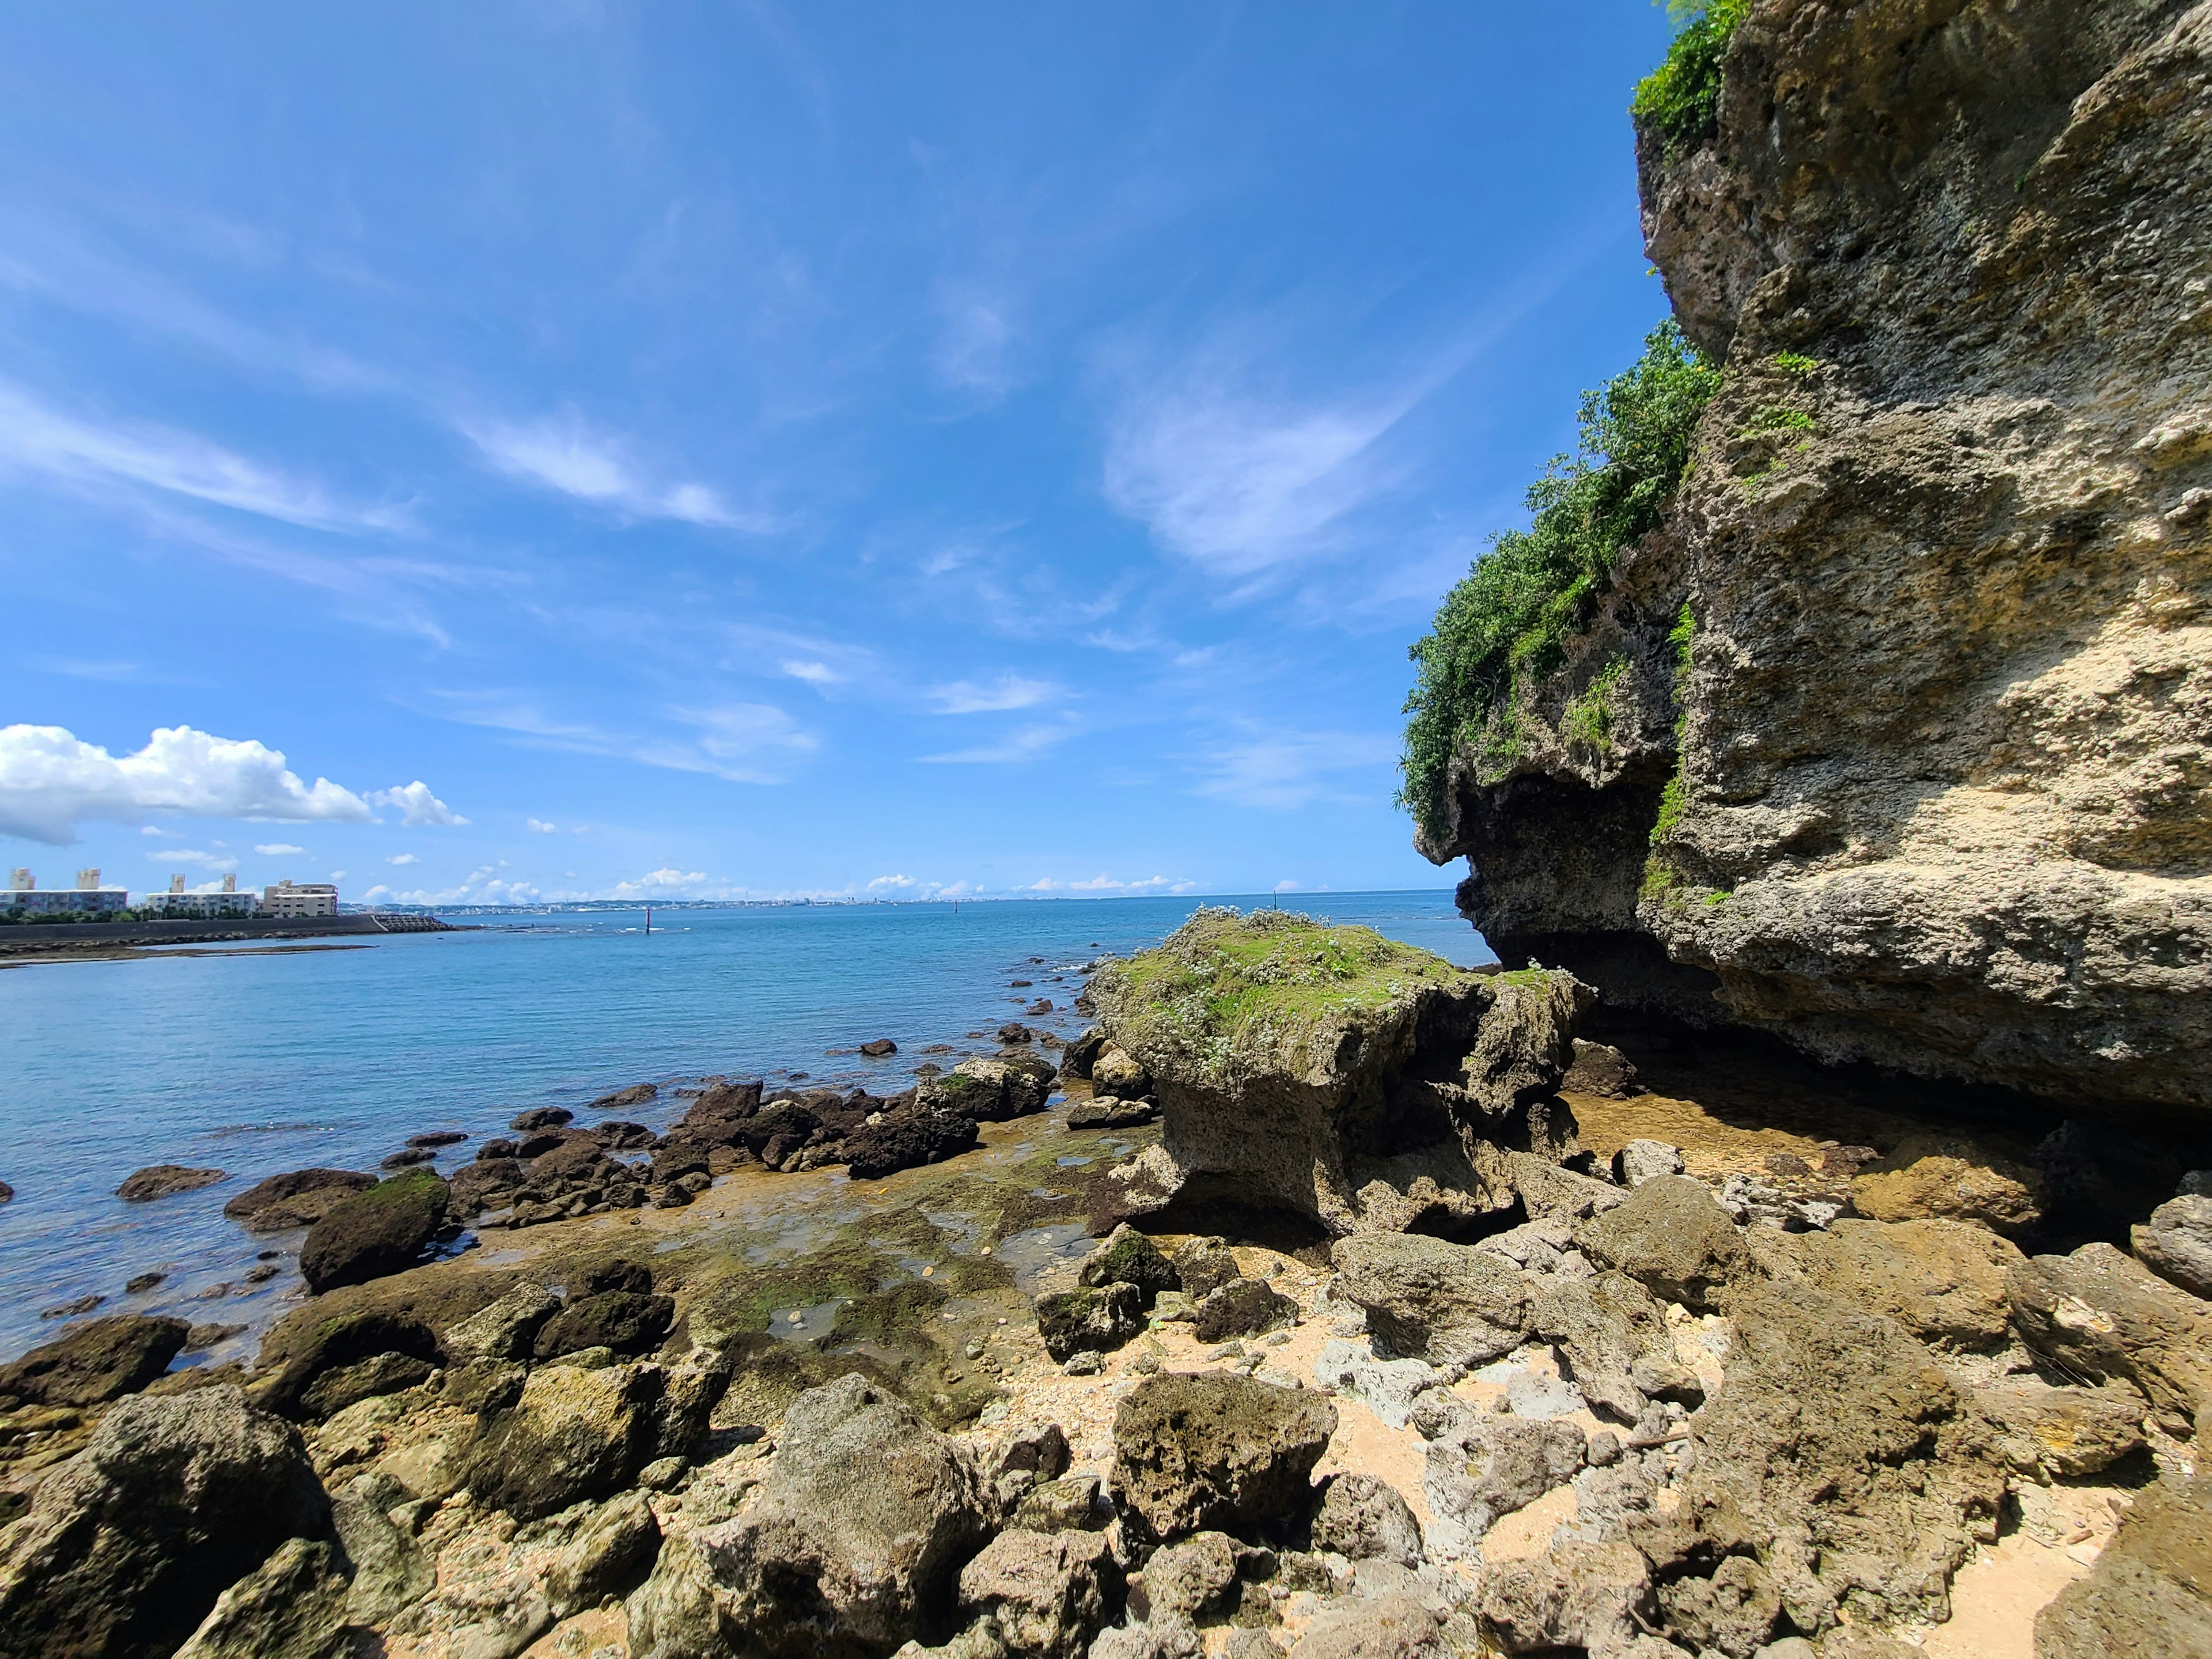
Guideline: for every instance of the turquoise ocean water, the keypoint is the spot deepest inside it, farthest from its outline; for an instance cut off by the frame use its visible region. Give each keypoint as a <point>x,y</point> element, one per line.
<point>255,1063</point>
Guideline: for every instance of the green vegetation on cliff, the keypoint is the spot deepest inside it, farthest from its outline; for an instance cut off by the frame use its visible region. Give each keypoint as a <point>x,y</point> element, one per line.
<point>1680,99</point>
<point>1509,616</point>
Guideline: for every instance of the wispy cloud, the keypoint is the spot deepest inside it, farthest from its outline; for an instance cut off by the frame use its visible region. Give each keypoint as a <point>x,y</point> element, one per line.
<point>37,439</point>
<point>193,856</point>
<point>1281,770</point>
<point>741,742</point>
<point>1102,883</point>
<point>1027,744</point>
<point>563,454</point>
<point>277,849</point>
<point>974,339</point>
<point>993,696</point>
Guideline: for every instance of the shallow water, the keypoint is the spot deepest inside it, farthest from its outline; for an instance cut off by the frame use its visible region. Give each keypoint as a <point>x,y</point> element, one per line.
<point>255,1062</point>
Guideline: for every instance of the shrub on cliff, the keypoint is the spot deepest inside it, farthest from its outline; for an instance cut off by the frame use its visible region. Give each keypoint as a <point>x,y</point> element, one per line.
<point>1507,617</point>
<point>1680,100</point>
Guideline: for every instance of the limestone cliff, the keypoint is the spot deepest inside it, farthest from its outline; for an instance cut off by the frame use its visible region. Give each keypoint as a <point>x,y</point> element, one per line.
<point>1929,784</point>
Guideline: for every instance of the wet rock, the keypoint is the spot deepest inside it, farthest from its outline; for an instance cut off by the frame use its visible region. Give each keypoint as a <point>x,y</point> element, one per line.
<point>1106,1112</point>
<point>303,1349</point>
<point>1065,1505</point>
<point>203,1337</point>
<point>1394,1626</point>
<point>989,1089</point>
<point>1672,1237</point>
<point>1243,1307</point>
<point>407,1157</point>
<point>2151,1590</point>
<point>506,1329</point>
<point>1944,1281</point>
<point>1593,1596</point>
<point>541,1117</point>
<point>378,1231</point>
<point>436,1138</point>
<point>618,1136</point>
<point>1450,1305</point>
<point>612,1550</point>
<point>905,1138</point>
<point>1837,1440</point>
<point>2176,1243</point>
<point>1480,1465</point>
<point>1386,1387</point>
<point>384,1373</point>
<point>1363,1518</point>
<point>621,1321</point>
<point>578,1434</point>
<point>7,1193</point>
<point>290,1607</point>
<point>1929,1177</point>
<point>1204,1264</point>
<point>298,1198</point>
<point>2099,1314</point>
<point>124,1547</point>
<point>852,1543</point>
<point>1215,1452</point>
<point>1089,1320</point>
<point>489,1183</point>
<point>1599,1068</point>
<point>878,1048</point>
<point>1015,1031</point>
<point>1614,1338</point>
<point>2064,1432</point>
<point>638,1093</point>
<point>164,1181</point>
<point>1186,1580</point>
<point>1049,1593</point>
<point>100,1360</point>
<point>389,1571</point>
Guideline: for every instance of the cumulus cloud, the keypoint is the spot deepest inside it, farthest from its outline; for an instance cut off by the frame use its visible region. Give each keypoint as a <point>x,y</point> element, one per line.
<point>661,883</point>
<point>539,827</point>
<point>1007,691</point>
<point>402,858</point>
<point>51,782</point>
<point>417,805</point>
<point>562,454</point>
<point>277,849</point>
<point>191,855</point>
<point>891,883</point>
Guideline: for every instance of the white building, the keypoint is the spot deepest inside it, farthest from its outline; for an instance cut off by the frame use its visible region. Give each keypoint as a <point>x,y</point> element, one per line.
<point>88,897</point>
<point>179,905</point>
<point>312,898</point>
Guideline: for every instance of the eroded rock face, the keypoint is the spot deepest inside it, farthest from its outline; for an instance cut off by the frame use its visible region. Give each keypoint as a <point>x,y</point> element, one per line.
<point>126,1547</point>
<point>1216,1451</point>
<point>1955,254</point>
<point>2151,1590</point>
<point>1450,1305</point>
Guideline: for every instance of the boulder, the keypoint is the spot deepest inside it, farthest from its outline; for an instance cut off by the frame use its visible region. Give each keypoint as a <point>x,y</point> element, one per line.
<point>1049,1593</point>
<point>1185,1580</point>
<point>2098,1314</point>
<point>1599,1068</point>
<point>1365,1519</point>
<point>1593,1596</point>
<point>1366,1084</point>
<point>611,1550</point>
<point>1671,1235</point>
<point>301,1350</point>
<point>506,1329</point>
<point>638,1093</point>
<point>675,1615</point>
<point>1202,1265</point>
<point>1113,1072</point>
<point>489,1183</point>
<point>1481,1465</point>
<point>1944,1281</point>
<point>2063,1433</point>
<point>2150,1591</point>
<point>125,1547</point>
<point>298,1198</point>
<point>389,1571</point>
<point>1837,1441</point>
<point>377,1231</point>
<point>1243,1307</point>
<point>853,1542</point>
<point>384,1373</point>
<point>1065,1505</point>
<point>91,1364</point>
<point>1079,1055</point>
<point>541,1117</point>
<point>1216,1451</point>
<point>290,1607</point>
<point>1088,1321</point>
<point>1931,1177</point>
<point>1108,1112</point>
<point>1452,1305</point>
<point>1614,1336</point>
<point>578,1434</point>
<point>2176,1243</point>
<point>906,1138</point>
<point>989,1089</point>
<point>165,1179</point>
<point>1398,1625</point>
<point>878,1048</point>
<point>621,1320</point>
<point>1640,1160</point>
<point>1386,1387</point>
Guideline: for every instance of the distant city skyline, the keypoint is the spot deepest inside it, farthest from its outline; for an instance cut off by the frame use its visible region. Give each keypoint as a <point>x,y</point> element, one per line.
<point>545,451</point>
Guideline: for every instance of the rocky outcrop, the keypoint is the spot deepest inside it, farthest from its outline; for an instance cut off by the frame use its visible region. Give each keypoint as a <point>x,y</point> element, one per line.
<point>1956,255</point>
<point>100,1360</point>
<point>165,1180</point>
<point>1215,1451</point>
<point>297,1198</point>
<point>380,1230</point>
<point>1369,1085</point>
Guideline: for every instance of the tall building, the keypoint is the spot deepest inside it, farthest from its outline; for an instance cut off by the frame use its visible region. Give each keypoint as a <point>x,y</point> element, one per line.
<point>314,898</point>
<point>26,898</point>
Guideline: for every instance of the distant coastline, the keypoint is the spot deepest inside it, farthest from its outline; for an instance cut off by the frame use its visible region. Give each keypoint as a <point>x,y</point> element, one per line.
<point>26,937</point>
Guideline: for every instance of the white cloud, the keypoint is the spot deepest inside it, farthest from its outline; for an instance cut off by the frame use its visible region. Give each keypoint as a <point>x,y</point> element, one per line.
<point>277,849</point>
<point>539,827</point>
<point>564,456</point>
<point>50,782</point>
<point>661,883</point>
<point>814,674</point>
<point>894,883</point>
<point>402,858</point>
<point>1007,691</point>
<point>375,893</point>
<point>743,743</point>
<point>975,335</point>
<point>189,855</point>
<point>1025,745</point>
<point>338,875</point>
<point>417,805</point>
<point>1285,770</point>
<point>37,438</point>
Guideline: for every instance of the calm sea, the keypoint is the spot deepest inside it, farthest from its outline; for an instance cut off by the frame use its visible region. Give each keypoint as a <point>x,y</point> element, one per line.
<point>253,1062</point>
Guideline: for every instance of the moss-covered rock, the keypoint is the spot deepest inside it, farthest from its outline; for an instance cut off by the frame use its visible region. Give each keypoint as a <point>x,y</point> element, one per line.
<point>1368,1083</point>
<point>378,1231</point>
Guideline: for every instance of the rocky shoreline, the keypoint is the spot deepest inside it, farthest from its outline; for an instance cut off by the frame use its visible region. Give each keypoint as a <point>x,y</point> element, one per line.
<point>1481,1345</point>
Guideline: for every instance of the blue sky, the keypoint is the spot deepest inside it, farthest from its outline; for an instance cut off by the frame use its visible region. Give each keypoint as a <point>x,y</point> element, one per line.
<point>721,449</point>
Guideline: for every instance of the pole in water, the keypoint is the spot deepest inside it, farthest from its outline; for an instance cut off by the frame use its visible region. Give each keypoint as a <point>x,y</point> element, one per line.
<point>649,921</point>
